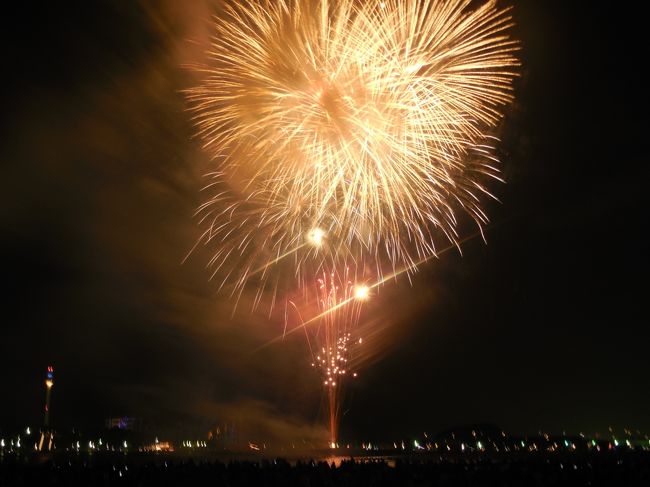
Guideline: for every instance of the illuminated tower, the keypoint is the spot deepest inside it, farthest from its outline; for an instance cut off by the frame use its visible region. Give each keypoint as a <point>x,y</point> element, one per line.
<point>45,432</point>
<point>49,382</point>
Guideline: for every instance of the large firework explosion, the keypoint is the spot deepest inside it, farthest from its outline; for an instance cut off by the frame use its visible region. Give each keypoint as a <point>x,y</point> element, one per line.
<point>368,120</point>
<point>350,133</point>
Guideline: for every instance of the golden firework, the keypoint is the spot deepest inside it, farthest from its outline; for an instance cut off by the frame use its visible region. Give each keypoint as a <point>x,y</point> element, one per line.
<point>350,129</point>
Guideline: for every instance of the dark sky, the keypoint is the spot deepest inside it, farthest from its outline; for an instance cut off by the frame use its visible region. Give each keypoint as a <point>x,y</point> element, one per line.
<point>543,327</point>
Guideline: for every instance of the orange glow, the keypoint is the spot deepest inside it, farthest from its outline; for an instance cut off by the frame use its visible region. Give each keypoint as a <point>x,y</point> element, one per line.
<point>362,292</point>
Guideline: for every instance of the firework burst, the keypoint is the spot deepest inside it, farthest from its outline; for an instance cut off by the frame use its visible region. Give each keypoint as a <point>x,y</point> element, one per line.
<point>368,121</point>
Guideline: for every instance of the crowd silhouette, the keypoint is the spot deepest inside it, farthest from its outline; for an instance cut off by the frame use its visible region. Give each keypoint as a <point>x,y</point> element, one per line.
<point>532,470</point>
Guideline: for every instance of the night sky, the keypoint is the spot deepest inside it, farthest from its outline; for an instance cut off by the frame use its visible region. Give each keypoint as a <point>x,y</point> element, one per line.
<point>542,328</point>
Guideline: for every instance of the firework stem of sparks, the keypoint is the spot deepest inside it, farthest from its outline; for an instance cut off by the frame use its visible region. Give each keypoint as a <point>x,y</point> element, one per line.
<point>338,304</point>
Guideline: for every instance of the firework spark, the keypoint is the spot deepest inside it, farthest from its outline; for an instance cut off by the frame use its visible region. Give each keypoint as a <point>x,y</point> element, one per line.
<point>350,128</point>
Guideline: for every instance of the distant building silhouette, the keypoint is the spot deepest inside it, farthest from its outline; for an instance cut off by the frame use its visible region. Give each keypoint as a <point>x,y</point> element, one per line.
<point>125,423</point>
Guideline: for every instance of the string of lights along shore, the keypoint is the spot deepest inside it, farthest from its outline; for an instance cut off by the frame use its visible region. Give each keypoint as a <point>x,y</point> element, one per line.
<point>350,138</point>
